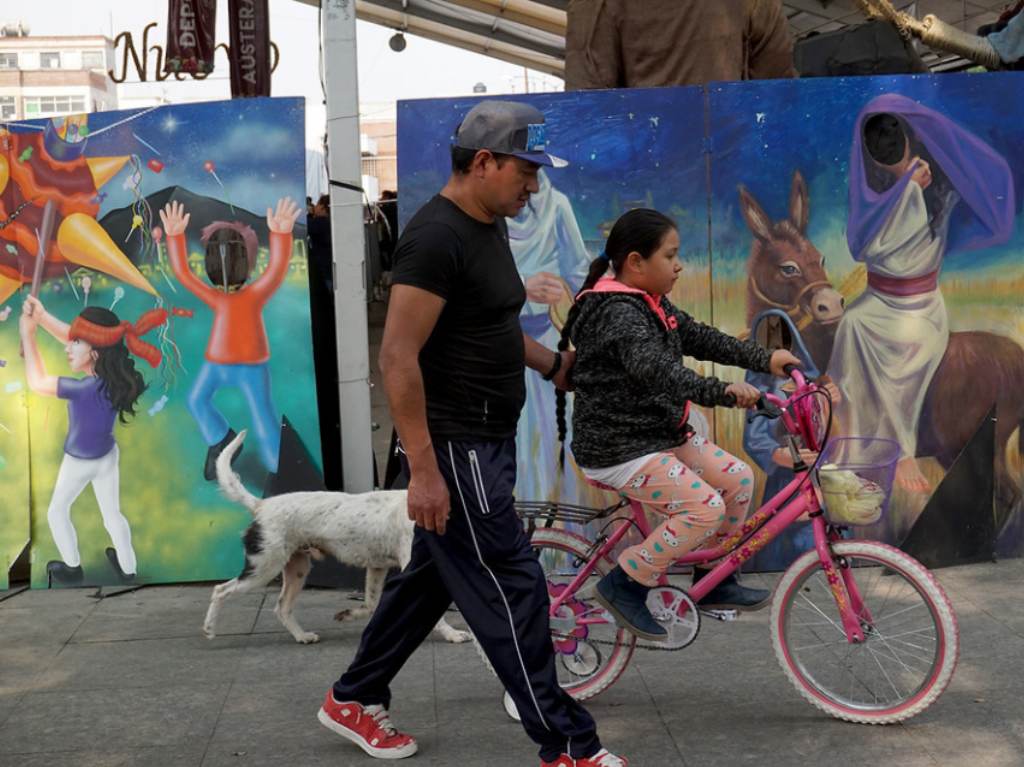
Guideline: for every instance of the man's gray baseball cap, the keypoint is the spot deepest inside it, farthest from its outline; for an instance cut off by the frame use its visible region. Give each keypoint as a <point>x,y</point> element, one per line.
<point>507,127</point>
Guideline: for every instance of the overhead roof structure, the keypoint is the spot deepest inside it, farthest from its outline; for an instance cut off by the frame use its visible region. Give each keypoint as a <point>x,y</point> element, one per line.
<point>531,33</point>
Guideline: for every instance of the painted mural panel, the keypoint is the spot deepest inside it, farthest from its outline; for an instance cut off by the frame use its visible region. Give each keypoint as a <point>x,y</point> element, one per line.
<point>626,149</point>
<point>154,274</point>
<point>876,221</point>
<point>14,498</point>
<point>872,224</point>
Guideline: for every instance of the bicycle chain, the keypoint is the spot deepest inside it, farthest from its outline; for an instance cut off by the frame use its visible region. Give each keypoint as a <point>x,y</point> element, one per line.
<point>641,643</point>
<point>645,644</point>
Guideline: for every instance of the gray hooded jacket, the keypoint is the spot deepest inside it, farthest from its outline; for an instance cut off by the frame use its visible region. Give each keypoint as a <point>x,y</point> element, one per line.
<point>632,388</point>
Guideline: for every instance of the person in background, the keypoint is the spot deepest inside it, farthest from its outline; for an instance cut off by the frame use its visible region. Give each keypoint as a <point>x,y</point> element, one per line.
<point>1007,36</point>
<point>325,348</point>
<point>318,231</point>
<point>388,205</point>
<point>656,43</point>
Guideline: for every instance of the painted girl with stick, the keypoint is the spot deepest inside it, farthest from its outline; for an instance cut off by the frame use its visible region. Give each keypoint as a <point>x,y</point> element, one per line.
<point>99,346</point>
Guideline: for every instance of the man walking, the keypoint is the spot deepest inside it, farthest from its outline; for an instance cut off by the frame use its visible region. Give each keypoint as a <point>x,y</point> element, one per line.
<point>452,359</point>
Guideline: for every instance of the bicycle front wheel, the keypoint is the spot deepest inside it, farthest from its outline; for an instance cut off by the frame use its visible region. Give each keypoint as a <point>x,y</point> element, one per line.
<point>911,636</point>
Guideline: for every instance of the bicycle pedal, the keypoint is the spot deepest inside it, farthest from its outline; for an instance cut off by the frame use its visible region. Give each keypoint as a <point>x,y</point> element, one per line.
<point>722,615</point>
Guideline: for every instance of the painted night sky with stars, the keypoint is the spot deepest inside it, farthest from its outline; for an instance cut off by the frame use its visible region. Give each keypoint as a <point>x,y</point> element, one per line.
<point>623,147</point>
<point>251,144</point>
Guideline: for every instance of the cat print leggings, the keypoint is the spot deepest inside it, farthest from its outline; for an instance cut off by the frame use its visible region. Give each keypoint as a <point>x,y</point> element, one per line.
<point>704,491</point>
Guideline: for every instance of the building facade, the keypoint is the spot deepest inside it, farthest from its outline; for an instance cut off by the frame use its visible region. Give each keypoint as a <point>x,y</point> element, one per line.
<point>378,145</point>
<point>378,141</point>
<point>49,76</point>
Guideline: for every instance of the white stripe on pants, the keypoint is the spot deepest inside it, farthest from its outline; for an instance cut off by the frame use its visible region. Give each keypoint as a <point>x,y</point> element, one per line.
<point>74,475</point>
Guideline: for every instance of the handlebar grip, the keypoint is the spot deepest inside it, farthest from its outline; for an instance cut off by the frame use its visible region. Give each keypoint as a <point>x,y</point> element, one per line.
<point>795,373</point>
<point>764,408</point>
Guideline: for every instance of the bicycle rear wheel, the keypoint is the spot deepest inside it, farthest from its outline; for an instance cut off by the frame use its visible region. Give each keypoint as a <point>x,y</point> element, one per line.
<point>589,657</point>
<point>911,636</point>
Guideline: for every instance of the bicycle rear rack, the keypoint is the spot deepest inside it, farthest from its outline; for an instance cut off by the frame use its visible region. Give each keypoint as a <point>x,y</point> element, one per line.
<point>549,512</point>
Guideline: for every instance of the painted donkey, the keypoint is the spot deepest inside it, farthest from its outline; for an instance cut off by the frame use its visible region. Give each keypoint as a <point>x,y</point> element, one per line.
<point>786,271</point>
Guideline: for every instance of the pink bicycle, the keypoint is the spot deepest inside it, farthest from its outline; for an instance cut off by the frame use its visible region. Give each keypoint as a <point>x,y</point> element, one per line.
<point>863,631</point>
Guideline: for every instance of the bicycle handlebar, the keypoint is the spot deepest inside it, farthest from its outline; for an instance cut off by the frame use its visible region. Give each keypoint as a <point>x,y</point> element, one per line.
<point>796,374</point>
<point>765,406</point>
<point>765,409</point>
<point>797,422</point>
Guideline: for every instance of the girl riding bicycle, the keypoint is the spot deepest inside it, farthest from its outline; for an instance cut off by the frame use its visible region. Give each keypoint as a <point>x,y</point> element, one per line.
<point>630,429</point>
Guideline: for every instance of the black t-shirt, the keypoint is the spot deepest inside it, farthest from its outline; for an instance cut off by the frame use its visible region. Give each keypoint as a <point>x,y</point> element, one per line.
<point>474,361</point>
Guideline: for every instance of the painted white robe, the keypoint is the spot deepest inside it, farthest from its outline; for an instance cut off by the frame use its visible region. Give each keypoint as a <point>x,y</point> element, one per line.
<point>887,348</point>
<point>545,237</point>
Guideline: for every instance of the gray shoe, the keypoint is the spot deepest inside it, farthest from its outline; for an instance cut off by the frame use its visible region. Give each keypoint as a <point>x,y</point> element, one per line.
<point>730,595</point>
<point>626,600</point>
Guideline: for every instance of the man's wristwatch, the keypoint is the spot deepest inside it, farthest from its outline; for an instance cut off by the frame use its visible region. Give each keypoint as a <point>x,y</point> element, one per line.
<point>554,368</point>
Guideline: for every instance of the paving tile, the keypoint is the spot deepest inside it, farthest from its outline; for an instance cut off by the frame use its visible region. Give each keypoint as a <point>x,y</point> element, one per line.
<point>50,599</point>
<point>115,720</point>
<point>31,625</point>
<point>167,756</point>
<point>166,612</point>
<point>982,729</point>
<point>276,658</point>
<point>141,663</point>
<point>8,702</point>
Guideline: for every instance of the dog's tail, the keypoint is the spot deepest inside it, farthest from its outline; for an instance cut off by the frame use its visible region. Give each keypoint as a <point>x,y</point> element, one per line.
<point>229,482</point>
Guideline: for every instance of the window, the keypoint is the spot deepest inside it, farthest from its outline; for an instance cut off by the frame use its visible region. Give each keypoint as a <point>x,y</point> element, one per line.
<point>8,60</point>
<point>49,60</point>
<point>93,60</point>
<point>44,106</point>
<point>7,107</point>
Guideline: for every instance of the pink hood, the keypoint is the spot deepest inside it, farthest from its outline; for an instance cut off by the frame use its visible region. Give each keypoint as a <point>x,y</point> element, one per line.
<point>612,285</point>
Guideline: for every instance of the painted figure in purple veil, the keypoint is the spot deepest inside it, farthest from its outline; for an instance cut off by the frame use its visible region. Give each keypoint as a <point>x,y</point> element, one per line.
<point>921,188</point>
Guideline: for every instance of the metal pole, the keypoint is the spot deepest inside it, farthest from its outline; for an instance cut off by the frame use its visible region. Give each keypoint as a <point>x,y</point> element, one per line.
<point>347,242</point>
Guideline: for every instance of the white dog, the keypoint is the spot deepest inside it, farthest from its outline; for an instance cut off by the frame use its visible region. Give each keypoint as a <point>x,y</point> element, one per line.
<point>370,530</point>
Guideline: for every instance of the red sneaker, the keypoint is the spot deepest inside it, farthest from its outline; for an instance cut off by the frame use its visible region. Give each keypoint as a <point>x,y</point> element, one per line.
<point>563,761</point>
<point>366,726</point>
<point>602,758</point>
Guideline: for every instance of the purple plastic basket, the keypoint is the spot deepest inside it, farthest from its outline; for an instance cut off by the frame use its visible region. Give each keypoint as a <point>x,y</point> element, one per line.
<point>871,458</point>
